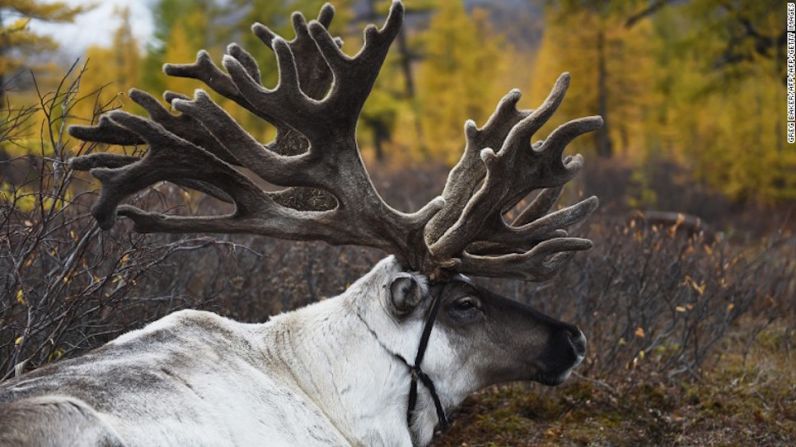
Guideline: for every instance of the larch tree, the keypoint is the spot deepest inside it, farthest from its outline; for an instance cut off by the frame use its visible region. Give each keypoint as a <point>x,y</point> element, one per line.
<point>110,72</point>
<point>17,41</point>
<point>461,75</point>
<point>394,102</point>
<point>610,66</point>
<point>182,27</point>
<point>188,35</point>
<point>720,73</point>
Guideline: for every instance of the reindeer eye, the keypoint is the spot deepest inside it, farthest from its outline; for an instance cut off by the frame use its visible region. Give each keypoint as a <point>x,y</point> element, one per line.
<point>465,303</point>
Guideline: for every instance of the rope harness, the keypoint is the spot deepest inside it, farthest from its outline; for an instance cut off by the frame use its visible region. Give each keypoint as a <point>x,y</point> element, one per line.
<point>418,374</point>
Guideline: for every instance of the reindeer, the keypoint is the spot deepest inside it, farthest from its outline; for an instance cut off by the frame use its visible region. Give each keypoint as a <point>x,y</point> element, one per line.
<point>385,362</point>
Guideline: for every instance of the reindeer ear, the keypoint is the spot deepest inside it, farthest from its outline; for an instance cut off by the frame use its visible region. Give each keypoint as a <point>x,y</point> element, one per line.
<point>405,294</point>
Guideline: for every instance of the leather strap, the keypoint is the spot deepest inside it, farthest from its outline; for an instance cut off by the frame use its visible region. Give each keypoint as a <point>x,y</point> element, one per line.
<point>417,372</point>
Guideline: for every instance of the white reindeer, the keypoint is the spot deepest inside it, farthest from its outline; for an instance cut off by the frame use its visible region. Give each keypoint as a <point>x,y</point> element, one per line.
<point>381,364</point>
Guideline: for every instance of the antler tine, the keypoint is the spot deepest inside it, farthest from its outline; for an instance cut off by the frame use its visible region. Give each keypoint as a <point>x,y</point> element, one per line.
<point>245,59</point>
<point>330,123</point>
<point>183,126</point>
<point>314,75</point>
<point>101,160</point>
<point>112,161</point>
<point>203,69</point>
<point>546,226</point>
<point>286,106</point>
<point>105,131</point>
<point>354,76</point>
<point>510,174</point>
<point>288,142</point>
<point>169,157</point>
<point>540,205</point>
<point>112,133</point>
<point>538,264</point>
<point>466,176</point>
<point>315,78</point>
<point>246,150</point>
<point>175,159</point>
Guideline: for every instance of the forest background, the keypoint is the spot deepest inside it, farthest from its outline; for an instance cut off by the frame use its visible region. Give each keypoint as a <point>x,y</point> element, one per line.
<point>699,84</point>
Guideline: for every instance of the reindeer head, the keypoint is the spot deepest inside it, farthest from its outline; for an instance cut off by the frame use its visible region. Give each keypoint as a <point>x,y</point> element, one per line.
<point>489,338</point>
<point>493,339</point>
<point>328,194</point>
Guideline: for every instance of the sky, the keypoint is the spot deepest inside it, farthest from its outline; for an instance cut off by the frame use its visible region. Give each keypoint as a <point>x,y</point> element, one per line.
<point>96,27</point>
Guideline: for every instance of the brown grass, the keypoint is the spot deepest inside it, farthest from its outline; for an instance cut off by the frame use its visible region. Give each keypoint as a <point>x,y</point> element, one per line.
<point>747,398</point>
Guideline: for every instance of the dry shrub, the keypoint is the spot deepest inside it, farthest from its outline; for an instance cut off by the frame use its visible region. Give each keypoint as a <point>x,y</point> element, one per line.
<point>658,299</point>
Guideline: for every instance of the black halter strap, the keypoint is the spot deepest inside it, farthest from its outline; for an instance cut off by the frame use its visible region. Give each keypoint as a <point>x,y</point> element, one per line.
<point>418,374</point>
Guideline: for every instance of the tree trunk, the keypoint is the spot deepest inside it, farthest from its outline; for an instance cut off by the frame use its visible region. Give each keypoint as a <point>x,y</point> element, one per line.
<point>380,134</point>
<point>602,136</point>
<point>4,157</point>
<point>2,75</point>
<point>406,64</point>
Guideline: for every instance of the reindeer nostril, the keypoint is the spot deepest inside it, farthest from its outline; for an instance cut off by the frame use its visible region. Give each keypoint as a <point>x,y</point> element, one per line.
<point>578,342</point>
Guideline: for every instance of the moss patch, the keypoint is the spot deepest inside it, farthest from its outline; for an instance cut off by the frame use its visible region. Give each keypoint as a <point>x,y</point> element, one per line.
<point>748,397</point>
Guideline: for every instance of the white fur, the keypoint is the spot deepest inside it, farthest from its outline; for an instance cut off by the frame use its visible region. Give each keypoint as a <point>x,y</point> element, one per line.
<point>322,375</point>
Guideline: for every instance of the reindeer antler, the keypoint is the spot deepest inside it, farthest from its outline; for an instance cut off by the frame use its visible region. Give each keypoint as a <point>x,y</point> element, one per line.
<point>202,146</point>
<point>470,235</point>
<point>329,195</point>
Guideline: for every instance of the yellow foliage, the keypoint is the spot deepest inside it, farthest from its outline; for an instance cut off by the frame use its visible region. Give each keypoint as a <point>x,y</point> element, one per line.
<point>26,199</point>
<point>570,45</point>
<point>666,98</point>
<point>461,79</point>
<point>23,200</point>
<point>183,44</point>
<point>16,38</point>
<point>109,74</point>
<point>669,98</point>
<point>726,126</point>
